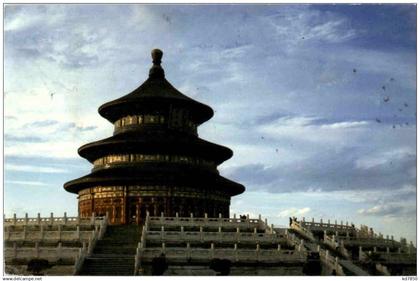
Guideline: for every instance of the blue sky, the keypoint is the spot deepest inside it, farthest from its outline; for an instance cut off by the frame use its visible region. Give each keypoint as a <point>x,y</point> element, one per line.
<point>318,102</point>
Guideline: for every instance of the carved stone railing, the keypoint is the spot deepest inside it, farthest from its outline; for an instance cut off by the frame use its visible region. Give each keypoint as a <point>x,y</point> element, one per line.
<point>80,259</point>
<point>185,236</point>
<point>301,229</point>
<point>97,234</point>
<point>243,255</point>
<point>389,257</point>
<point>321,225</point>
<point>331,261</point>
<point>331,241</point>
<point>369,241</point>
<point>49,253</point>
<point>208,222</point>
<point>46,236</point>
<point>65,220</point>
<point>258,231</point>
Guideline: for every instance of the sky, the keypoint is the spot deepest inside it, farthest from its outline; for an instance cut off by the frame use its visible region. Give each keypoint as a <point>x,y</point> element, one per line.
<point>317,102</point>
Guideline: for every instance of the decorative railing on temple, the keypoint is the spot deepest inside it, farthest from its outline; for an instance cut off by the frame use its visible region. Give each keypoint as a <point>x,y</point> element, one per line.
<point>390,257</point>
<point>64,239</point>
<point>255,231</point>
<point>328,226</point>
<point>331,261</point>
<point>208,222</point>
<point>51,220</point>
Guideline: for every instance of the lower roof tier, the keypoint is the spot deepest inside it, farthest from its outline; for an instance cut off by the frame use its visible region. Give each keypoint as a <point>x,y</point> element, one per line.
<point>182,177</point>
<point>161,142</point>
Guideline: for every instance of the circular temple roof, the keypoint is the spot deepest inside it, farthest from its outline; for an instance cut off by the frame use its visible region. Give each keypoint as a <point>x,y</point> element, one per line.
<point>154,91</point>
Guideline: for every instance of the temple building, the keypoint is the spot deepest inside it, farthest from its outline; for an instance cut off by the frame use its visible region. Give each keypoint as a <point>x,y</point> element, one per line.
<point>154,162</point>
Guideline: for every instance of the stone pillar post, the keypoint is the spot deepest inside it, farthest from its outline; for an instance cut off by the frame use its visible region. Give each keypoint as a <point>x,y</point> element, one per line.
<point>37,249</point>
<point>38,218</point>
<point>360,253</point>
<point>237,234</point>
<point>65,217</point>
<point>51,218</point>
<point>14,250</point>
<point>59,250</point>
<point>59,232</point>
<point>24,232</point>
<point>41,229</point>
<point>78,232</point>
<point>14,219</point>
<point>26,218</point>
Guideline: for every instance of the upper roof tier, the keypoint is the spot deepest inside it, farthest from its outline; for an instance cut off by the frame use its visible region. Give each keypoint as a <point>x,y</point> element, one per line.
<point>155,91</point>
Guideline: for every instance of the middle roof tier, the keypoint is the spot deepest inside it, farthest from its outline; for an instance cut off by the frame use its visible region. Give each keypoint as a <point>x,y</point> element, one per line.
<point>157,142</point>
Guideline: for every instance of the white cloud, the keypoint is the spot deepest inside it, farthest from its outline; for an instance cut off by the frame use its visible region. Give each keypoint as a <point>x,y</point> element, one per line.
<point>35,169</point>
<point>313,130</point>
<point>26,183</point>
<point>385,157</point>
<point>294,212</point>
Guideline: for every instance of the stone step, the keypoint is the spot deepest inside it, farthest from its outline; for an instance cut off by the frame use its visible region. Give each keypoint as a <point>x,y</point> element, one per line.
<point>114,254</point>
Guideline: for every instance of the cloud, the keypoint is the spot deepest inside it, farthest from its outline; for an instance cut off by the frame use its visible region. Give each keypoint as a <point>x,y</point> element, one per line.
<point>327,170</point>
<point>304,26</point>
<point>389,210</point>
<point>10,138</point>
<point>26,183</point>
<point>35,169</point>
<point>294,212</point>
<point>43,123</point>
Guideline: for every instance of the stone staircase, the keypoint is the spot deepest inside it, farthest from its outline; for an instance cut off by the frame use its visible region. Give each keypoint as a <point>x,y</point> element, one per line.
<point>114,254</point>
